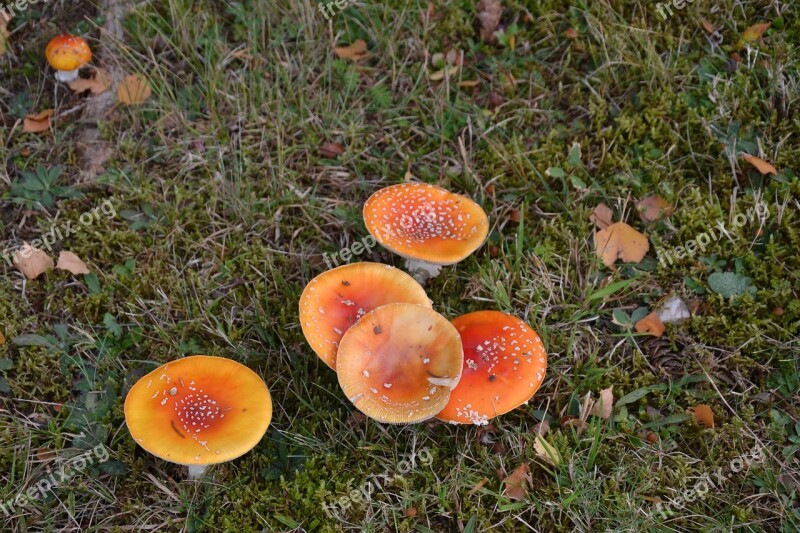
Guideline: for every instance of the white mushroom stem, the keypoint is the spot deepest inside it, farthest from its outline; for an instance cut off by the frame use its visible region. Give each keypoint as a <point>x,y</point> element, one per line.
<point>195,471</point>
<point>422,271</point>
<point>66,76</point>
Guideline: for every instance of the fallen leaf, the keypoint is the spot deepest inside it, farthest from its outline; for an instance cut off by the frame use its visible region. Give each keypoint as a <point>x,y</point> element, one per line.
<point>546,451</point>
<point>489,13</point>
<point>703,414</point>
<point>494,100</point>
<point>571,33</point>
<point>44,455</point>
<point>2,338</point>
<point>654,208</point>
<point>754,32</point>
<point>354,52</point>
<point>651,324</point>
<point>133,90</point>
<point>469,83</point>
<point>673,310</point>
<point>761,165</point>
<point>708,26</point>
<point>602,216</point>
<point>439,75</point>
<point>605,405</point>
<point>39,122</point>
<point>31,261</point>
<point>71,263</point>
<point>410,512</point>
<point>99,83</point>
<point>478,486</point>
<point>620,241</point>
<point>514,488</point>
<point>331,150</point>
<point>541,428</point>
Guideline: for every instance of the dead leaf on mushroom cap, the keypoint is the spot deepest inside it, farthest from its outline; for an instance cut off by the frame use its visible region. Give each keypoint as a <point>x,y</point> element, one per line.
<point>354,52</point>
<point>602,216</point>
<point>133,90</point>
<point>654,208</point>
<point>31,261</point>
<point>703,414</point>
<point>39,122</point>
<point>620,241</point>
<point>489,13</point>
<point>605,405</point>
<point>99,83</point>
<point>651,324</point>
<point>516,482</point>
<point>761,165</point>
<point>71,263</point>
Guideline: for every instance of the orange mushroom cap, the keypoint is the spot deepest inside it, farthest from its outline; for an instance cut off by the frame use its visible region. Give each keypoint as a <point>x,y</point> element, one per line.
<point>426,223</point>
<point>336,299</point>
<point>399,362</point>
<point>68,52</point>
<point>504,365</point>
<point>199,410</point>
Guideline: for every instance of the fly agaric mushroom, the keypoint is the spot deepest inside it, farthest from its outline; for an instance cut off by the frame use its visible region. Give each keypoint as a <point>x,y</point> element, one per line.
<point>199,410</point>
<point>336,299</point>
<point>67,54</point>
<point>504,365</point>
<point>427,225</point>
<point>399,363</point>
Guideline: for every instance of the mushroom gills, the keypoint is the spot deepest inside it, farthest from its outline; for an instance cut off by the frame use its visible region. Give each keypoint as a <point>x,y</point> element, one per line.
<point>422,271</point>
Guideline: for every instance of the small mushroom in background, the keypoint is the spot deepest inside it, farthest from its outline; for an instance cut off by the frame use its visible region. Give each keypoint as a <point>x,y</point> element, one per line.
<point>399,363</point>
<point>67,54</point>
<point>427,225</point>
<point>504,365</point>
<point>198,411</point>
<point>337,298</point>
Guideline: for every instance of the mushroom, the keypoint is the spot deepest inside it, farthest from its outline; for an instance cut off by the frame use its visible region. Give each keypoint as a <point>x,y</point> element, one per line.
<point>399,363</point>
<point>427,225</point>
<point>199,410</point>
<point>504,365</point>
<point>336,299</point>
<point>67,54</point>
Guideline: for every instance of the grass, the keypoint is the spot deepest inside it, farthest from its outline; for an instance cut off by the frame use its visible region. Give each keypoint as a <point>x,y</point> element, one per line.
<point>225,207</point>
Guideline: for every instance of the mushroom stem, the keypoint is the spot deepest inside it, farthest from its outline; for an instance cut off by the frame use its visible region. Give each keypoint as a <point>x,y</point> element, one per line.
<point>195,471</point>
<point>66,76</point>
<point>422,271</point>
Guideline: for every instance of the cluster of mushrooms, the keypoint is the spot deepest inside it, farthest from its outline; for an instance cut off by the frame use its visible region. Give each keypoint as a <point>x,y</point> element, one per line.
<point>399,361</point>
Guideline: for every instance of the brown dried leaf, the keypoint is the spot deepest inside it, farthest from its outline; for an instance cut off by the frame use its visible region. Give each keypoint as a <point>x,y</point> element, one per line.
<point>515,484</point>
<point>354,52</point>
<point>71,263</point>
<point>478,486</point>
<point>605,405</point>
<point>99,83</point>
<point>620,241</point>
<point>703,414</point>
<point>39,122</point>
<point>754,32</point>
<point>31,261</point>
<point>134,90</point>
<point>602,216</point>
<point>469,83</point>
<point>2,338</point>
<point>571,33</point>
<point>654,208</point>
<point>331,150</point>
<point>708,26</point>
<point>761,165</point>
<point>448,72</point>
<point>489,13</point>
<point>651,324</point>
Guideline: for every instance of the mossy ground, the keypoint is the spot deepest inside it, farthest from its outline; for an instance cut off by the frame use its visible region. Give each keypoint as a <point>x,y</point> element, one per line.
<point>225,207</point>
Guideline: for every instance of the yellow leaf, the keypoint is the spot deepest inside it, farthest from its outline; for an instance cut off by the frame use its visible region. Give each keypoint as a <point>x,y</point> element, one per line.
<point>97,84</point>
<point>71,263</point>
<point>654,208</point>
<point>134,89</point>
<point>651,324</point>
<point>38,123</point>
<point>602,216</point>
<point>516,482</point>
<point>605,404</point>
<point>760,164</point>
<point>31,261</point>
<point>754,32</point>
<point>469,83</point>
<point>620,241</point>
<point>703,414</point>
<point>441,74</point>
<point>353,52</point>
<point>546,451</point>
